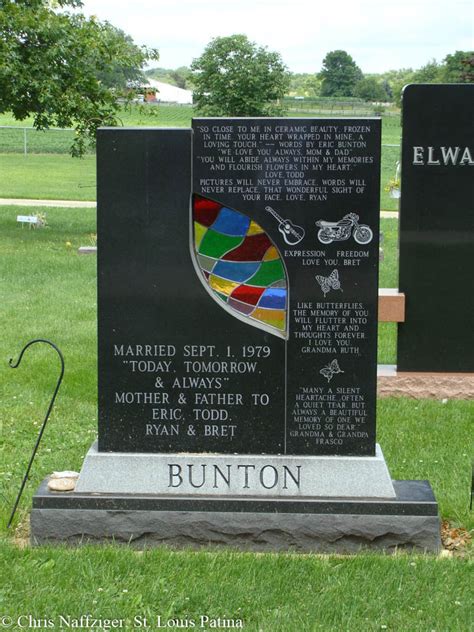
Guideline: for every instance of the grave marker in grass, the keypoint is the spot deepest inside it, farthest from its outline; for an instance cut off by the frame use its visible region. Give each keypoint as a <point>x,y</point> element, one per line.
<point>238,269</point>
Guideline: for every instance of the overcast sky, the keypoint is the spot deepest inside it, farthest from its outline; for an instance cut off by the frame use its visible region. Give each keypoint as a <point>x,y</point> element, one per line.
<point>380,35</point>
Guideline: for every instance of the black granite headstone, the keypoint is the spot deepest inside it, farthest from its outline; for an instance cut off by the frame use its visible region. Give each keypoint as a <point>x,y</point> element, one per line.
<point>437,229</point>
<point>238,304</point>
<point>166,379</point>
<point>237,344</point>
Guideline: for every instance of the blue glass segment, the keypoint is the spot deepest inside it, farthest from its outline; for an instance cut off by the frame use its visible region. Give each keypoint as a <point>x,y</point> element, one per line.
<point>229,222</point>
<point>273,298</point>
<point>235,271</point>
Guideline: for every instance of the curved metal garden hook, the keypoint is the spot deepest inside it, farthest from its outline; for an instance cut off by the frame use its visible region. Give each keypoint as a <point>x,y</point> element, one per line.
<point>48,412</point>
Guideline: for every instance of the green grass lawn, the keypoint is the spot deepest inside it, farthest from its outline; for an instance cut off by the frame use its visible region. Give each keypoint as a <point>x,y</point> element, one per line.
<point>47,177</point>
<point>388,277</point>
<point>50,291</point>
<point>60,177</point>
<point>181,115</point>
<point>270,593</point>
<point>31,176</point>
<point>130,116</point>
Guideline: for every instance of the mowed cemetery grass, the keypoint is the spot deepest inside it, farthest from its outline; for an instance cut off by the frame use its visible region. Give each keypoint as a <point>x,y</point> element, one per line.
<point>48,172</point>
<point>49,291</point>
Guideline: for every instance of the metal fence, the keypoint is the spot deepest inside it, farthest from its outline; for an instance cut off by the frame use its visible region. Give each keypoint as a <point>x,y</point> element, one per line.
<point>27,140</point>
<point>339,107</point>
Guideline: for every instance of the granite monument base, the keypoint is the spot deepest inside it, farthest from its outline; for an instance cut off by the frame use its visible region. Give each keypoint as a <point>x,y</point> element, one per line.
<point>342,525</point>
<point>222,475</point>
<point>423,385</point>
<point>246,502</point>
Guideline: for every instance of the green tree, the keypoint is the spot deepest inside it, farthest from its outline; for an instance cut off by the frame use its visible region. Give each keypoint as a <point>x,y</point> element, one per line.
<point>339,75</point>
<point>122,71</point>
<point>457,67</point>
<point>235,77</point>
<point>312,86</point>
<point>429,73</point>
<point>304,85</point>
<point>370,89</point>
<point>62,68</point>
<point>182,77</point>
<point>396,80</point>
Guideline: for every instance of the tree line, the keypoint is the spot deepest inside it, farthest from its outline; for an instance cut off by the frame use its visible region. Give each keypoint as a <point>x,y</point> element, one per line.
<point>340,76</point>
<point>64,69</point>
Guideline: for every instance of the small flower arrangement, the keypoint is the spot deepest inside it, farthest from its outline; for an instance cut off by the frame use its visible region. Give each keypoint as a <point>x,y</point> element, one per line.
<point>40,220</point>
<point>393,188</point>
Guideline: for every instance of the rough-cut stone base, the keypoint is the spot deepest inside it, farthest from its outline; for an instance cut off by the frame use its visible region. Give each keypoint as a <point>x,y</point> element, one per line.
<point>410,521</point>
<point>245,532</point>
<point>393,383</point>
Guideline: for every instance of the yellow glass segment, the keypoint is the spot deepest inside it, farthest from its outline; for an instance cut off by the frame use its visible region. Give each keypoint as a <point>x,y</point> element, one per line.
<point>199,232</point>
<point>273,317</point>
<point>271,254</point>
<point>254,229</point>
<point>222,285</point>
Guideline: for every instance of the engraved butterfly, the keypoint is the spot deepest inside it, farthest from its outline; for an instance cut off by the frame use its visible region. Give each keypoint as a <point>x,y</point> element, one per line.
<point>331,369</point>
<point>330,282</point>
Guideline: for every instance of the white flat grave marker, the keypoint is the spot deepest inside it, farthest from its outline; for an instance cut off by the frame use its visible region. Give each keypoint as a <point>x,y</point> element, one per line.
<point>27,219</point>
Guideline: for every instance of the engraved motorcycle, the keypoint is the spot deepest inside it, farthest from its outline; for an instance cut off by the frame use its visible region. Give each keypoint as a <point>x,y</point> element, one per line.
<point>343,229</point>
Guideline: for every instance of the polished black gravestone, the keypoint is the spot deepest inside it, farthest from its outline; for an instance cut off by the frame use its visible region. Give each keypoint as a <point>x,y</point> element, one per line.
<point>176,372</point>
<point>437,229</point>
<point>239,314</point>
<point>237,309</point>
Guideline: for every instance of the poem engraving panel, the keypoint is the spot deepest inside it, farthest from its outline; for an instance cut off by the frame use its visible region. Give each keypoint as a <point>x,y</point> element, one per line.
<point>312,185</point>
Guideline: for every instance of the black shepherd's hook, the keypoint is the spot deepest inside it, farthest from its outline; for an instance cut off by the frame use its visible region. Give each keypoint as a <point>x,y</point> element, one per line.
<point>472,487</point>
<point>48,412</point>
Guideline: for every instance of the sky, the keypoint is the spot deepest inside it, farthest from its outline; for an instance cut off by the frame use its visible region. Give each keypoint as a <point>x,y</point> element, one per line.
<point>379,35</point>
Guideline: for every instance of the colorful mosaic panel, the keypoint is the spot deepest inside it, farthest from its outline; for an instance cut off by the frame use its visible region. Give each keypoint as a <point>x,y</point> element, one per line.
<point>240,264</point>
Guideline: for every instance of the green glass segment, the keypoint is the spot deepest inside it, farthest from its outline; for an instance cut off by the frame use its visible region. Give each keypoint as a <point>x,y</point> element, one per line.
<point>268,273</point>
<point>216,244</point>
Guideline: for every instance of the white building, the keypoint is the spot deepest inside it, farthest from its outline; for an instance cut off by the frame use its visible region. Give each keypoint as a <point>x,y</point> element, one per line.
<point>170,94</point>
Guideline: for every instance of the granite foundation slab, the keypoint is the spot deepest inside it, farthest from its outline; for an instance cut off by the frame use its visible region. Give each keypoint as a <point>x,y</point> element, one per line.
<point>408,521</point>
<point>393,383</point>
<point>235,474</point>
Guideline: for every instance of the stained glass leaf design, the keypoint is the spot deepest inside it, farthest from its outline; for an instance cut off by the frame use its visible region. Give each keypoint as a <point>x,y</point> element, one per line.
<point>240,264</point>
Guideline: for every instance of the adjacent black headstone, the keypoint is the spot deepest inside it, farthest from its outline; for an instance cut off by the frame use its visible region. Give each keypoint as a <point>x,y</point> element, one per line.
<point>239,314</point>
<point>437,229</point>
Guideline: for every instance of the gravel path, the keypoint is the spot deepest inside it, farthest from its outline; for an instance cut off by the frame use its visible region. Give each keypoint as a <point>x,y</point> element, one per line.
<point>78,204</point>
<point>62,203</point>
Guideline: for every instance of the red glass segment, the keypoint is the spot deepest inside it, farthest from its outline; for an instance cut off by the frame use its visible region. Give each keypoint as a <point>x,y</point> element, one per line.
<point>253,248</point>
<point>248,294</point>
<point>205,211</point>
